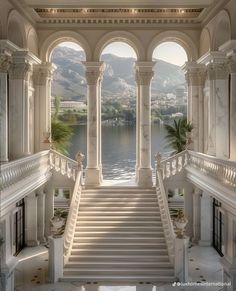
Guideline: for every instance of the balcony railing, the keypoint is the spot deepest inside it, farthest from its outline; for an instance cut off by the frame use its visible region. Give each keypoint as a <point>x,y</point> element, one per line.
<point>17,170</point>
<point>64,165</point>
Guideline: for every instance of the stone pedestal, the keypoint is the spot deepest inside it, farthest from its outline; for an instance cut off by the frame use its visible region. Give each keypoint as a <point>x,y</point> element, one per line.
<point>144,75</point>
<point>56,259</point>
<point>42,81</point>
<point>181,259</point>
<point>31,225</point>
<point>41,215</point>
<point>94,71</point>
<point>206,220</point>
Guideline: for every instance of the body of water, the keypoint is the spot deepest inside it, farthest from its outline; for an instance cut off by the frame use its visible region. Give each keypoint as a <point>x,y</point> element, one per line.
<point>118,148</point>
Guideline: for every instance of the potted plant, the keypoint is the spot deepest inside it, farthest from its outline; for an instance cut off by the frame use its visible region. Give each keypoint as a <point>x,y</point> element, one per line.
<point>58,223</point>
<point>180,223</point>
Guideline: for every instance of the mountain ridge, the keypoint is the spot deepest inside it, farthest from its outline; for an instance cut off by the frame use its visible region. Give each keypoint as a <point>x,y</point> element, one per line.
<point>118,81</point>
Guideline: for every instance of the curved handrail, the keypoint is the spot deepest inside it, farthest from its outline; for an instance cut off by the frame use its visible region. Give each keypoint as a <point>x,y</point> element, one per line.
<point>72,216</point>
<point>165,216</point>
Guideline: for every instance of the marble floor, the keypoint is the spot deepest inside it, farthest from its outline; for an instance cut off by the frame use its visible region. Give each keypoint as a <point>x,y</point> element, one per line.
<point>31,273</point>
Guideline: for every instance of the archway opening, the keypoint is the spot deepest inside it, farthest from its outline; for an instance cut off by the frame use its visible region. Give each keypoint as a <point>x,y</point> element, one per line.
<point>169,93</point>
<point>118,109</point>
<point>69,96</point>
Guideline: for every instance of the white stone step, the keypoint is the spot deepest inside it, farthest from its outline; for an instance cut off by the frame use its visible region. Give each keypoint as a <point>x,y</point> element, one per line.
<point>118,234</point>
<point>119,272</point>
<point>111,238</point>
<point>118,208</point>
<point>123,228</point>
<point>118,204</point>
<point>116,213</point>
<point>114,223</point>
<point>118,251</point>
<point>117,264</point>
<point>133,245</point>
<point>119,258</point>
<point>115,217</point>
<point>124,280</point>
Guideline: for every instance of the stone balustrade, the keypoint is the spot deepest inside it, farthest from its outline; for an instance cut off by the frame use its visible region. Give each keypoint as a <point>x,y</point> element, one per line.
<point>219,169</point>
<point>64,165</point>
<point>165,212</point>
<point>174,164</point>
<point>72,215</point>
<point>17,170</point>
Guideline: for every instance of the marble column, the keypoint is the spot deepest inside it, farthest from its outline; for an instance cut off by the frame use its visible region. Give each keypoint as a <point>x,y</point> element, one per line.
<point>4,66</point>
<point>195,76</point>
<point>41,215</point>
<point>188,208</point>
<point>218,105</point>
<point>49,206</point>
<point>94,71</point>
<point>42,83</point>
<point>137,131</point>
<point>19,106</point>
<point>232,128</point>
<point>206,220</point>
<point>196,214</point>
<point>144,75</point>
<point>31,217</point>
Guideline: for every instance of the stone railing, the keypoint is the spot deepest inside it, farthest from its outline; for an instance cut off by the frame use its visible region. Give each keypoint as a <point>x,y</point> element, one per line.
<point>17,170</point>
<point>164,211</point>
<point>64,165</point>
<point>222,170</point>
<point>74,209</point>
<point>173,165</point>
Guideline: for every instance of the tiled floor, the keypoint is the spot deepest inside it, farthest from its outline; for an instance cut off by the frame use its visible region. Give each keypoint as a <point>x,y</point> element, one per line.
<point>31,273</point>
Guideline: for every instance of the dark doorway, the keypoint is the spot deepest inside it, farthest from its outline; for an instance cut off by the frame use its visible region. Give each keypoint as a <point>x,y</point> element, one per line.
<point>19,227</point>
<point>218,226</point>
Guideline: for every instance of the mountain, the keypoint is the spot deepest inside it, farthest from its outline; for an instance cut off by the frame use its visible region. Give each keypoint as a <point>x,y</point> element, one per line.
<point>118,80</point>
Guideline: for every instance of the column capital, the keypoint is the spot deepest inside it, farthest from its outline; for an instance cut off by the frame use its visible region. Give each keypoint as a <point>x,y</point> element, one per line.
<point>22,62</point>
<point>5,62</point>
<point>144,72</point>
<point>232,65</point>
<point>195,73</point>
<point>43,73</point>
<point>94,72</point>
<point>217,71</point>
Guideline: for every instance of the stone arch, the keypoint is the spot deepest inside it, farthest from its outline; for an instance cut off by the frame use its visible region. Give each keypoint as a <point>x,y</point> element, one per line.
<point>121,36</point>
<point>61,36</point>
<point>205,42</point>
<point>32,41</point>
<point>222,31</point>
<point>16,29</point>
<point>175,36</point>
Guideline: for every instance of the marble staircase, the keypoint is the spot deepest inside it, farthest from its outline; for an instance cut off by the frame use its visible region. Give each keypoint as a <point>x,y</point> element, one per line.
<point>119,237</point>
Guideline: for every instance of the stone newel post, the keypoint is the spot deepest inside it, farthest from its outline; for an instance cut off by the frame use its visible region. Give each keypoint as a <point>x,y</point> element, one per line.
<point>94,72</point>
<point>144,75</point>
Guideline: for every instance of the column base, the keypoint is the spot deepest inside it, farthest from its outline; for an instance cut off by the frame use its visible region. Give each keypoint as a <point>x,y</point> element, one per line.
<point>93,177</point>
<point>204,243</point>
<point>32,243</point>
<point>144,177</point>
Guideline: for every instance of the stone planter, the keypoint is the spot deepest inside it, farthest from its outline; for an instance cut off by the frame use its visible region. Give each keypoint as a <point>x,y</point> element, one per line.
<point>57,225</point>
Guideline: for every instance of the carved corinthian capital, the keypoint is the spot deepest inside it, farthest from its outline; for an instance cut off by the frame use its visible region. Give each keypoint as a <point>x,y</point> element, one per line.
<point>144,78</point>
<point>217,71</point>
<point>43,73</point>
<point>94,72</point>
<point>20,71</point>
<point>5,62</point>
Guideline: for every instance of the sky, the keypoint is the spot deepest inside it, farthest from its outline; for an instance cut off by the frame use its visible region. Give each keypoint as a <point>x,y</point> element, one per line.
<point>170,52</point>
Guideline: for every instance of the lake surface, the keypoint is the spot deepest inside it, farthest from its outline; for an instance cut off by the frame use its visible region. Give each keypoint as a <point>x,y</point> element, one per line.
<point>118,148</point>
